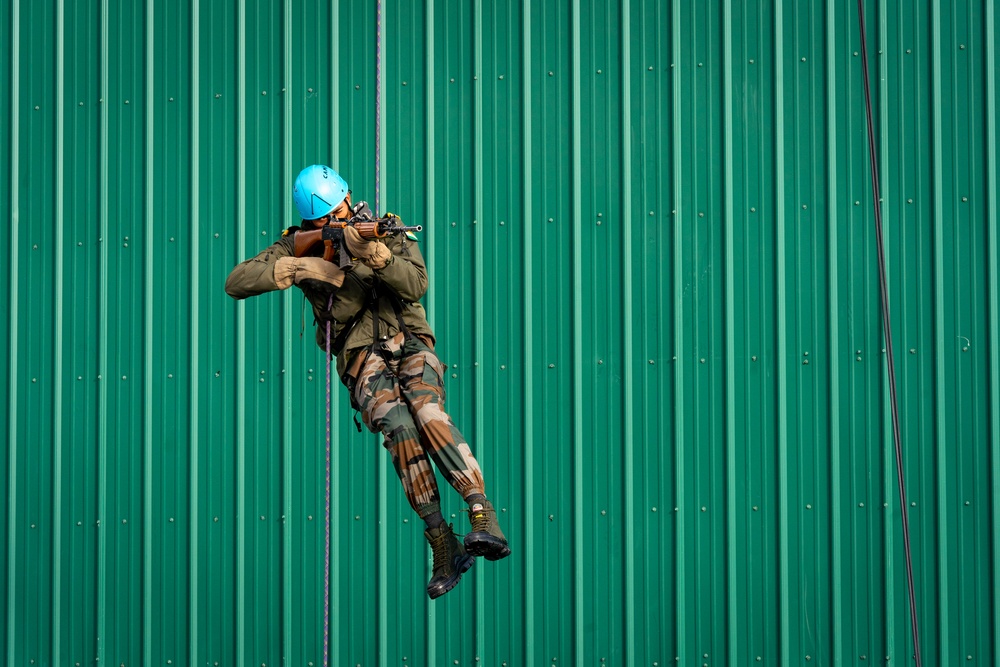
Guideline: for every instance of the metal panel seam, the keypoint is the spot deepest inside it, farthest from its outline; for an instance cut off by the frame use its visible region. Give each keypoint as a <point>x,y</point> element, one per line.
<point>147,381</point>
<point>241,343</point>
<point>287,367</point>
<point>193,471</point>
<point>58,325</point>
<point>380,196</point>
<point>628,398</point>
<point>13,351</point>
<point>992,189</point>
<point>429,189</point>
<point>478,276</point>
<point>334,622</point>
<point>679,356</point>
<point>728,121</point>
<point>782,334</point>
<point>944,615</point>
<point>102,345</point>
<point>529,351</point>
<point>577,291</point>
<point>834,313</point>
<point>888,442</point>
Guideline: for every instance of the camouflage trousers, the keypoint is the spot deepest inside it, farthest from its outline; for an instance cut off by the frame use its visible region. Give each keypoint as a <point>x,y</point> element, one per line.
<point>399,391</point>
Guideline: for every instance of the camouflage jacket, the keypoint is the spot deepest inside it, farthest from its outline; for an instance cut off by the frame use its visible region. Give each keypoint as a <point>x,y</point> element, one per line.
<point>405,277</point>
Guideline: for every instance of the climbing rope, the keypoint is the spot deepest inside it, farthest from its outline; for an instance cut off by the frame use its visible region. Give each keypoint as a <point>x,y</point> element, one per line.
<point>329,356</point>
<point>884,288</point>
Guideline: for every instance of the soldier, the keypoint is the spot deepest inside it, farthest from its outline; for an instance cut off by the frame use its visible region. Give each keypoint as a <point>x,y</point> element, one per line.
<point>385,357</point>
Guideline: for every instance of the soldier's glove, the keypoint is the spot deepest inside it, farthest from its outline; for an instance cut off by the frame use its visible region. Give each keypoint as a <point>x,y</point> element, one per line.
<point>373,254</point>
<point>288,270</point>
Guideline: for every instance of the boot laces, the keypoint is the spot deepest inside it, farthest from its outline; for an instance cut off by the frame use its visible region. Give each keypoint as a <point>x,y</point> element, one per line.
<point>481,520</point>
<point>440,549</point>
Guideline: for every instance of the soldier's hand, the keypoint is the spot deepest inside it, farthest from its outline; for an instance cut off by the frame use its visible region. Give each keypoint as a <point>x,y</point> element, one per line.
<point>373,254</point>
<point>288,270</point>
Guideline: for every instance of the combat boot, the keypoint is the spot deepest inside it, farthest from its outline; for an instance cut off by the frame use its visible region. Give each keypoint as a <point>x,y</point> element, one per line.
<point>450,560</point>
<point>485,539</point>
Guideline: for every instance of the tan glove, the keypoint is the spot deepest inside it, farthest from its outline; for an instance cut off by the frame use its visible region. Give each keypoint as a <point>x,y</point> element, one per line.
<point>288,270</point>
<point>373,254</point>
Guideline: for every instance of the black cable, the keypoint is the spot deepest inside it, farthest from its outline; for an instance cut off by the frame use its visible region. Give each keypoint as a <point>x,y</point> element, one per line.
<point>884,288</point>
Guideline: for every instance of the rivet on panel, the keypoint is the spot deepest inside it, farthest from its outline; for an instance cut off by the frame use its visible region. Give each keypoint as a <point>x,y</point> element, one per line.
<point>218,95</point>
<point>654,509</point>
<point>803,60</point>
<point>861,504</point>
<point>965,199</point>
<point>857,202</point>
<point>500,77</point>
<point>551,73</point>
<point>961,46</point>
<point>701,64</point>
<point>357,517</point>
<point>503,367</point>
<point>809,507</point>
<point>753,209</point>
<point>604,512</point>
<point>452,80</point>
<point>913,350</point>
<point>171,519</point>
<point>359,87</point>
<point>701,214</point>
<point>650,68</point>
<point>216,519</point>
<point>126,101</point>
<point>753,358</point>
<point>404,83</point>
<point>651,362</point>
<point>754,508</point>
<point>909,201</point>
<point>263,92</point>
<point>552,365</point>
<point>704,509</point>
<point>651,214</point>
<point>599,72</point>
<point>751,61</point>
<point>552,517</point>
<point>703,360</point>
<point>600,362</point>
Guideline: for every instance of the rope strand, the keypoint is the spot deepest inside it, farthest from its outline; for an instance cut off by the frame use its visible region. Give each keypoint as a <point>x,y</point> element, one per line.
<point>884,289</point>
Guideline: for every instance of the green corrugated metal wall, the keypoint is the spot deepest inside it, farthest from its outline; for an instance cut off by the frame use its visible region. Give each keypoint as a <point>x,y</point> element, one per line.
<point>649,229</point>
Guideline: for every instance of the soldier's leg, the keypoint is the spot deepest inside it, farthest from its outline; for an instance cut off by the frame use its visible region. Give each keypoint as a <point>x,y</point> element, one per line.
<point>420,377</point>
<point>377,397</point>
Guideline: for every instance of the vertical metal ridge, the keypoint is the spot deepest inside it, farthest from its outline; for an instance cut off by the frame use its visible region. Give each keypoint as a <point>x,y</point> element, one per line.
<point>241,343</point>
<point>577,344</point>
<point>14,349</point>
<point>148,349</point>
<point>193,450</point>
<point>383,500</point>
<point>941,417</point>
<point>478,274</point>
<point>430,185</point>
<point>529,347</point>
<point>58,326</point>
<point>730,297</point>
<point>833,259</point>
<point>993,192</point>
<point>335,634</point>
<point>888,442</point>
<point>782,379</point>
<point>628,371</point>
<point>679,355</point>
<point>102,346</point>
<point>288,369</point>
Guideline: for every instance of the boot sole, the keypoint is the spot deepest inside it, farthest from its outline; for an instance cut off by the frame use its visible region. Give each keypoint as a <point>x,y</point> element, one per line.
<point>461,568</point>
<point>486,546</point>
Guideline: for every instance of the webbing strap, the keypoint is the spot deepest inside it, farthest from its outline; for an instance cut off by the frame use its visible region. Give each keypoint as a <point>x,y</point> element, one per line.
<point>884,288</point>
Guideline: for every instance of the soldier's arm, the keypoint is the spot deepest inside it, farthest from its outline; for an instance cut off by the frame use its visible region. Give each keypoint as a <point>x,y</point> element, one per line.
<point>256,275</point>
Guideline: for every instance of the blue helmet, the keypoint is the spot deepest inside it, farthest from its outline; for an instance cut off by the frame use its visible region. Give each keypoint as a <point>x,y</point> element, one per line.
<point>318,190</point>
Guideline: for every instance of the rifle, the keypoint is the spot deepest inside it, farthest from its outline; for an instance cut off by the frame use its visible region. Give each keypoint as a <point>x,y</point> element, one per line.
<point>332,235</point>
